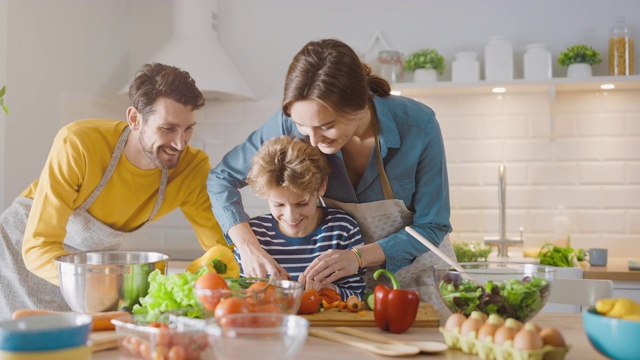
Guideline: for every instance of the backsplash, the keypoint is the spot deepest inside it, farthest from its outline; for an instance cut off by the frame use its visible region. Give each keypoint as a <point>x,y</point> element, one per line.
<point>586,157</point>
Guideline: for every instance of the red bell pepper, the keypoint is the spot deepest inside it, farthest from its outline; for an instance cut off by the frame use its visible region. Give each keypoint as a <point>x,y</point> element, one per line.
<point>394,310</point>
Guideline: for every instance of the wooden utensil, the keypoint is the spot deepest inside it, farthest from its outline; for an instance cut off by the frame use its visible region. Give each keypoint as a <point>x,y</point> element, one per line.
<point>428,347</point>
<point>380,349</point>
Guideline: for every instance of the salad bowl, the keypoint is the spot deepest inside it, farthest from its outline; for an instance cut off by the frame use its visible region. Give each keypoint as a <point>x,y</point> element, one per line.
<point>511,290</point>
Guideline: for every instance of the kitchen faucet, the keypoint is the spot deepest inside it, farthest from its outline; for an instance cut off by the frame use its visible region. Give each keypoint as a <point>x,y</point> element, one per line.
<point>502,241</point>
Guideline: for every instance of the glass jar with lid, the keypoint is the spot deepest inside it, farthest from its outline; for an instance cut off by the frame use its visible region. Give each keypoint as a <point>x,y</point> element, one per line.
<point>621,56</point>
<point>390,66</point>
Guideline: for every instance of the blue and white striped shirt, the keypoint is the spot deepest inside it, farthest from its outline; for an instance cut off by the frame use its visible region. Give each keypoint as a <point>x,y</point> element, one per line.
<point>337,230</point>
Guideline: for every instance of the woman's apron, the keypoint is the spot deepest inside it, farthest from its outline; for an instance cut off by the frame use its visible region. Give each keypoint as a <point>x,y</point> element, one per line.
<point>21,289</point>
<point>382,218</point>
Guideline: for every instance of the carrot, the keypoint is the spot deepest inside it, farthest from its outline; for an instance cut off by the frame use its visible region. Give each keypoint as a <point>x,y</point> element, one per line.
<point>101,320</point>
<point>353,303</point>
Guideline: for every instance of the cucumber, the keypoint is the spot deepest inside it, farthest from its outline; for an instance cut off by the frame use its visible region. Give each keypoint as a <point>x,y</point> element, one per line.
<point>370,299</point>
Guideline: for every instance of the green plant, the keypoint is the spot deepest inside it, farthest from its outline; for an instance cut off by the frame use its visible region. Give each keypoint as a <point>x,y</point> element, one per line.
<point>579,54</point>
<point>2,91</point>
<point>425,59</point>
<point>471,251</point>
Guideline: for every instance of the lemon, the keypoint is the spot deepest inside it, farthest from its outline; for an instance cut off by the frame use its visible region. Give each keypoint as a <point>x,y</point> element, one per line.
<point>623,307</point>
<point>603,306</point>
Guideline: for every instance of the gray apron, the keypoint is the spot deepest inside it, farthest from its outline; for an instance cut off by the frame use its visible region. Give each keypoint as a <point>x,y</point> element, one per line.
<point>21,289</point>
<point>382,218</point>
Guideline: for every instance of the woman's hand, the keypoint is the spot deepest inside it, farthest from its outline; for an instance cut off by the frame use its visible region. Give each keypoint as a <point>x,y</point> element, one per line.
<point>331,266</point>
<point>310,283</point>
<point>256,262</point>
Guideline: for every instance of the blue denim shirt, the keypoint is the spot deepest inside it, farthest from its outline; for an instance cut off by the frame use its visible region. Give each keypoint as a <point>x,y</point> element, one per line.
<point>414,159</point>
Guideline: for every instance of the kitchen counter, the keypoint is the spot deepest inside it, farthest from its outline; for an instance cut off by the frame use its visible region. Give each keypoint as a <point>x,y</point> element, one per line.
<point>617,269</point>
<point>569,324</point>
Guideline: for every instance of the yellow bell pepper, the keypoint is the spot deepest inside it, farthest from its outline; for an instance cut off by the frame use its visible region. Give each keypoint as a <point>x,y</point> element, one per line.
<point>218,258</point>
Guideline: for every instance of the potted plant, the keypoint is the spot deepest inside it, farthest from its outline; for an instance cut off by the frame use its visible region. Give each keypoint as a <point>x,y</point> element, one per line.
<point>425,64</point>
<point>579,59</point>
<point>2,91</point>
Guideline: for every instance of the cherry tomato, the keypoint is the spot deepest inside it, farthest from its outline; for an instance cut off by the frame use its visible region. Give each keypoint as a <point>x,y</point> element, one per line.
<point>232,305</point>
<point>310,302</point>
<point>329,295</point>
<point>177,353</point>
<point>261,293</point>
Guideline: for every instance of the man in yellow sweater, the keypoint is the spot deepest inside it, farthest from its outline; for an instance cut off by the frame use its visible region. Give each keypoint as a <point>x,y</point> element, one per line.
<point>103,180</point>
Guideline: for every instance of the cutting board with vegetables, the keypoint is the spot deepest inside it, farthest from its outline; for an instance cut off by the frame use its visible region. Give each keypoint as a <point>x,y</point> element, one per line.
<point>103,340</point>
<point>427,317</point>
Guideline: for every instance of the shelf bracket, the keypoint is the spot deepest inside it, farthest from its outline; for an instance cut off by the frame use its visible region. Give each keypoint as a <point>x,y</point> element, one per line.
<point>552,112</point>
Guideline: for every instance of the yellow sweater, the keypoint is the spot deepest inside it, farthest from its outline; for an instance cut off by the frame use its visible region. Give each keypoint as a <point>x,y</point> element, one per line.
<point>78,159</point>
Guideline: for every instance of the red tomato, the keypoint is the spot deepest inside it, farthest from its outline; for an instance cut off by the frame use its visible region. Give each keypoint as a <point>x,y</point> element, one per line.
<point>310,302</point>
<point>261,293</point>
<point>212,283</point>
<point>232,305</point>
<point>267,308</point>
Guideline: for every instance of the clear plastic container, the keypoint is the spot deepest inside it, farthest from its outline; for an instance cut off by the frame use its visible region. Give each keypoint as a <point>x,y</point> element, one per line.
<point>498,59</point>
<point>465,67</point>
<point>537,62</point>
<point>621,56</point>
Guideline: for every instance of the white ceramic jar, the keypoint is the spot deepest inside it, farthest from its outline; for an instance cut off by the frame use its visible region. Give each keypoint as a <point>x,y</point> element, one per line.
<point>537,62</point>
<point>498,59</point>
<point>465,67</point>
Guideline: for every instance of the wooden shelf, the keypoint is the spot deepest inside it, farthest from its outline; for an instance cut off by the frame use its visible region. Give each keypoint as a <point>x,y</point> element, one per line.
<point>552,86</point>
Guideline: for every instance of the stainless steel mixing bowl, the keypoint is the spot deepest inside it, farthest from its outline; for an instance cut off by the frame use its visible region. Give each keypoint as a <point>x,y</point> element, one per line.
<point>98,281</point>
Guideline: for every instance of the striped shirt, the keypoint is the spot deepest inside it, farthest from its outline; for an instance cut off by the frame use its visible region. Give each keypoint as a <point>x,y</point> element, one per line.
<point>337,230</point>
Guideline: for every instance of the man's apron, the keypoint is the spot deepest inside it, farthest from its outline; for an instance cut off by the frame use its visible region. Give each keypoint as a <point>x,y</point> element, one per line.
<point>21,289</point>
<point>382,218</point>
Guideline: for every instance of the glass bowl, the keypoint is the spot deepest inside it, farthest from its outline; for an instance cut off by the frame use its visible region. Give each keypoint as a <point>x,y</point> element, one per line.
<point>511,290</point>
<point>240,336</point>
<point>280,296</point>
<point>170,337</point>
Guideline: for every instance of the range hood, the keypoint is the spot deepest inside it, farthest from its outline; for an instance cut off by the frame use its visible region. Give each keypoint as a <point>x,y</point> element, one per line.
<point>194,47</point>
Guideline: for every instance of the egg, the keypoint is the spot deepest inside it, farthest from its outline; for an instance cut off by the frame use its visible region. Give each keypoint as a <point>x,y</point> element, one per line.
<point>487,329</point>
<point>470,325</point>
<point>516,324</point>
<point>479,315</point>
<point>552,336</point>
<point>527,338</point>
<point>503,334</point>
<point>496,319</point>
<point>454,321</point>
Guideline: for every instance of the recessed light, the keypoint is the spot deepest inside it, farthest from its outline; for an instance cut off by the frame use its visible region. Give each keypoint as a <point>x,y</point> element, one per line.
<point>498,90</point>
<point>607,86</point>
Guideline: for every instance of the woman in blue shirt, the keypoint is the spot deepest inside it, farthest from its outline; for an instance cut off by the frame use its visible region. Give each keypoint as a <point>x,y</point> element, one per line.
<point>388,168</point>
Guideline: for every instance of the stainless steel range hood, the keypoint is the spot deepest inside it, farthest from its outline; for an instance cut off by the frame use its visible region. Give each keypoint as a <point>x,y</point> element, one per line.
<point>194,47</point>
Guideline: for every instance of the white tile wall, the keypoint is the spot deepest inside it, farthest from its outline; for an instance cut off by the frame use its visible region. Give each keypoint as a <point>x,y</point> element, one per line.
<point>584,156</point>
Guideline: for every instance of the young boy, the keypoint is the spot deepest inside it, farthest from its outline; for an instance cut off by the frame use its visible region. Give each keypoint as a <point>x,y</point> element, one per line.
<point>291,174</point>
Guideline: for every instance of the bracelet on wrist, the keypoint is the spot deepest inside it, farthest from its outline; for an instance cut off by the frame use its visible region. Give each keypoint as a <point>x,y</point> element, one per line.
<point>359,257</point>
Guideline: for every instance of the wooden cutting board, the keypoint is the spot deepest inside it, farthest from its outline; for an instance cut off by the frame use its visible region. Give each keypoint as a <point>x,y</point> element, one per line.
<point>103,340</point>
<point>427,317</point>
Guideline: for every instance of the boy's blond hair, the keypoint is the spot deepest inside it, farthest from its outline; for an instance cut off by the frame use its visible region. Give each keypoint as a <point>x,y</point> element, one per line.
<point>290,163</point>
